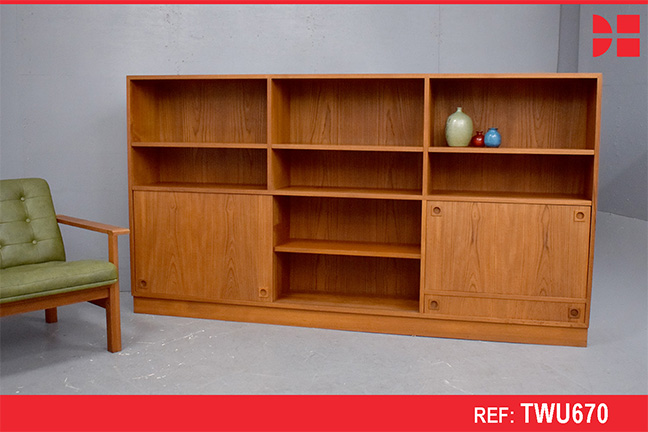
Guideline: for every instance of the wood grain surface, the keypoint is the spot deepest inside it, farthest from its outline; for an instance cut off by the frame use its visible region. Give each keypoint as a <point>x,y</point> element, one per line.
<point>334,201</point>
<point>514,249</point>
<point>350,112</point>
<point>529,113</point>
<point>202,246</point>
<point>215,110</point>
<point>389,171</point>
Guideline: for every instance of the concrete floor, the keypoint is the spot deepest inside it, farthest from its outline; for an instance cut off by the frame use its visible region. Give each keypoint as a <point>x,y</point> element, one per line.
<point>166,355</point>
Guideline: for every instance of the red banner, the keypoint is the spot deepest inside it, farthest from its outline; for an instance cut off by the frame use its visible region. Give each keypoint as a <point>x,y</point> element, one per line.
<point>324,413</point>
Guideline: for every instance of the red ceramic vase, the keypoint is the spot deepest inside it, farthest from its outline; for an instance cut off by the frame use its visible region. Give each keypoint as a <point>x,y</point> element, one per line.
<point>478,139</point>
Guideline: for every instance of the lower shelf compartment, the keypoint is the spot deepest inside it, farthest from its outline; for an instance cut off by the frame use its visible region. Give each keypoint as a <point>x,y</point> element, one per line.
<point>319,280</point>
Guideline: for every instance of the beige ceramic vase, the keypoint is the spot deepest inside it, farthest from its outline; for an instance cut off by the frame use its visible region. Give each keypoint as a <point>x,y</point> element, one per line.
<point>459,129</point>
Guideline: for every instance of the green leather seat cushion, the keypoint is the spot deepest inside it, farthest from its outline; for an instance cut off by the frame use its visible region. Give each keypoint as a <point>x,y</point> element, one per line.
<point>53,277</point>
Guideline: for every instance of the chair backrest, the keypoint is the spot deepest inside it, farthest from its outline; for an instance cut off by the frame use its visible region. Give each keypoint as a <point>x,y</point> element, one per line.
<point>29,233</point>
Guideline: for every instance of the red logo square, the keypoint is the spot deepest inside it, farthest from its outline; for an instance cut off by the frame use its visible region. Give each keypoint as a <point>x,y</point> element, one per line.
<point>627,23</point>
<point>628,47</point>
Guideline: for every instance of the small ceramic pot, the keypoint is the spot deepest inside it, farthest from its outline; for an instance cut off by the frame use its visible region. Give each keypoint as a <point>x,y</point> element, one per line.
<point>492,138</point>
<point>478,139</point>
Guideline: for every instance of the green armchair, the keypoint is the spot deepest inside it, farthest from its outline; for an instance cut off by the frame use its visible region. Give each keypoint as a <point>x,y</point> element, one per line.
<point>34,274</point>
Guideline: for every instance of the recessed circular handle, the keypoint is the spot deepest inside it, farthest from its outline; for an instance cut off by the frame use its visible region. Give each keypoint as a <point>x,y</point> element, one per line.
<point>434,305</point>
<point>142,283</point>
<point>580,215</point>
<point>574,313</point>
<point>436,210</point>
<point>263,293</point>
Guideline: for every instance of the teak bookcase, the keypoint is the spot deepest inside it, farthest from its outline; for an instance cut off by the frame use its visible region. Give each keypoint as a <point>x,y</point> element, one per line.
<point>333,201</point>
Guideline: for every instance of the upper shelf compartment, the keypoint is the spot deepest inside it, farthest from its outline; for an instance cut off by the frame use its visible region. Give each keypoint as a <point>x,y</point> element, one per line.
<point>530,112</point>
<point>348,111</point>
<point>206,112</point>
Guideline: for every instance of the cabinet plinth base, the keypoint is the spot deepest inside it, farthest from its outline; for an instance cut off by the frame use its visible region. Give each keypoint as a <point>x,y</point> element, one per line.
<point>411,326</point>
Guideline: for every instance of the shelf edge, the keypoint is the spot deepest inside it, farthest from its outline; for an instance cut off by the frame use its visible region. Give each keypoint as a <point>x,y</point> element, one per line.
<point>342,248</point>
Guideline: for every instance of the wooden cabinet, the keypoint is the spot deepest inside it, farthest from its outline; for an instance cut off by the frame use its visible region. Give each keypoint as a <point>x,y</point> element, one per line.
<point>545,249</point>
<point>202,246</point>
<point>333,201</point>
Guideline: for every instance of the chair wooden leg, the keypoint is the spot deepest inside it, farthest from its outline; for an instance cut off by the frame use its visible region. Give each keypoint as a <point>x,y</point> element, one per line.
<point>51,315</point>
<point>113,321</point>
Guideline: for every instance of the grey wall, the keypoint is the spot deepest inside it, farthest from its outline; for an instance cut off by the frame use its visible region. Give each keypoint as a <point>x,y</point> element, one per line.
<point>63,69</point>
<point>623,173</point>
<point>568,44</point>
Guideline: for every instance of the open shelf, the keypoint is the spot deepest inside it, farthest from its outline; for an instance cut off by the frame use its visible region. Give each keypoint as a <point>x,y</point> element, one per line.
<point>512,176</point>
<point>349,281</point>
<point>343,173</point>
<point>198,110</point>
<point>364,112</point>
<point>328,247</point>
<point>341,301</point>
<point>530,113</point>
<point>367,226</point>
<point>213,168</point>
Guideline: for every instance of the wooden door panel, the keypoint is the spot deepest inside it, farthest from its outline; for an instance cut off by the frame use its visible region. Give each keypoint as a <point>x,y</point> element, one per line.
<point>202,246</point>
<point>509,249</point>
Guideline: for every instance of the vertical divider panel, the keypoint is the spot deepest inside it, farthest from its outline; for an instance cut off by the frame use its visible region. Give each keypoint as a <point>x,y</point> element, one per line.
<point>130,155</point>
<point>269,132</point>
<point>280,234</point>
<point>267,289</point>
<point>278,177</point>
<point>427,137</point>
<point>427,133</point>
<point>275,268</point>
<point>593,137</point>
<point>269,201</point>
<point>279,107</point>
<point>424,252</point>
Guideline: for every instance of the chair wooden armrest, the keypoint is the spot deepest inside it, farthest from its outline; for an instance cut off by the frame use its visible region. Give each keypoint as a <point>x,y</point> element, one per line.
<point>90,225</point>
<point>112,231</point>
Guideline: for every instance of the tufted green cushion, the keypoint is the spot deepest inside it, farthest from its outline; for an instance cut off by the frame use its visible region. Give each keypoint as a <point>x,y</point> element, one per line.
<point>29,233</point>
<point>36,280</point>
<point>32,257</point>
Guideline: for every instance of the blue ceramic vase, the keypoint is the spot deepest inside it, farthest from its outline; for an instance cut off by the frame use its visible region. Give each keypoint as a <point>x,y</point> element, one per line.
<point>492,138</point>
